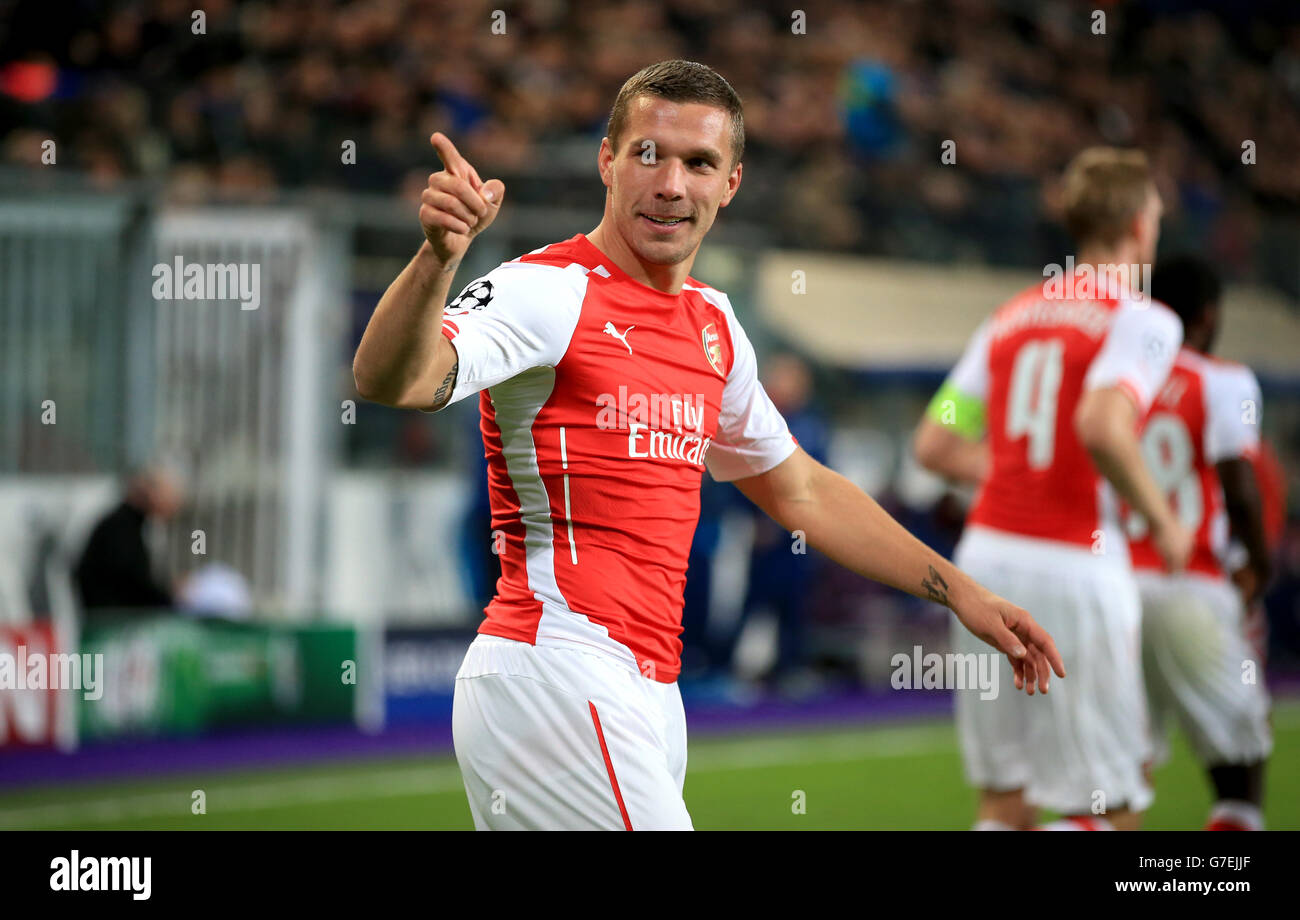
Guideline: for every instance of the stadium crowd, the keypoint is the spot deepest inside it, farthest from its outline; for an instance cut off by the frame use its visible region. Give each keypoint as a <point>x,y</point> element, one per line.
<point>845,130</point>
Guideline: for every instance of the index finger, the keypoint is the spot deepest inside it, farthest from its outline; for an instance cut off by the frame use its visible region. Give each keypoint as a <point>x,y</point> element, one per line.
<point>450,156</point>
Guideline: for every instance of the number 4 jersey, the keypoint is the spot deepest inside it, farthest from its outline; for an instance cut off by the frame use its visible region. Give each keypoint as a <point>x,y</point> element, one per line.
<point>1023,375</point>
<point>1207,412</point>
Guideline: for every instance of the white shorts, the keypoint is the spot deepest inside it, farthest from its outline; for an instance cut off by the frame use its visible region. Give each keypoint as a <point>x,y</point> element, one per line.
<point>1202,669</point>
<point>1082,746</point>
<point>561,739</point>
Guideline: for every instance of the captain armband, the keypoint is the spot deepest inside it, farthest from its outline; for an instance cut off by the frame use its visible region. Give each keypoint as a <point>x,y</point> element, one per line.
<point>957,412</point>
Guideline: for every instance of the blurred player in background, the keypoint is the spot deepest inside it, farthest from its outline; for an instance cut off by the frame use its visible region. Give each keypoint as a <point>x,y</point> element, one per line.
<point>1059,376</point>
<point>781,581</point>
<point>1200,666</point>
<point>1271,480</point>
<point>608,379</point>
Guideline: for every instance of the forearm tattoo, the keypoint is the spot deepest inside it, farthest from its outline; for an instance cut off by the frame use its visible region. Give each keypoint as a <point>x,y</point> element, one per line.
<point>936,588</point>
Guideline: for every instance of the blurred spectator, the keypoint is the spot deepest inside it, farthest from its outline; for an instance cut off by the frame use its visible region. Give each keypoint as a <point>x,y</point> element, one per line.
<point>706,649</point>
<point>869,95</point>
<point>782,568</point>
<point>114,572</point>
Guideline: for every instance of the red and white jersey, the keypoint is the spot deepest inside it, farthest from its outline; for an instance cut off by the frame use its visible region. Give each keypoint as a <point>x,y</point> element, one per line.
<point>1207,412</point>
<point>602,402</point>
<point>1030,363</point>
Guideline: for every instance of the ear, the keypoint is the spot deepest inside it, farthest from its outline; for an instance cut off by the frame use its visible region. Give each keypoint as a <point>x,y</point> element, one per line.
<point>733,185</point>
<point>605,162</point>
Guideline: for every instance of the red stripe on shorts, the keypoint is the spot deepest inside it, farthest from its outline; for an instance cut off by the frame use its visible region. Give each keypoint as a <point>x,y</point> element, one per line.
<point>609,767</point>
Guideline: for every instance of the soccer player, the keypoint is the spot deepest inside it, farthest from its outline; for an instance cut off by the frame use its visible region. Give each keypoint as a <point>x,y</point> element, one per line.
<point>608,379</point>
<point>1199,664</point>
<point>1060,376</point>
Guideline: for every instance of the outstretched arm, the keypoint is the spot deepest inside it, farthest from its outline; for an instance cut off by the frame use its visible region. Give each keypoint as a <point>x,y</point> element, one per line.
<point>846,524</point>
<point>1246,518</point>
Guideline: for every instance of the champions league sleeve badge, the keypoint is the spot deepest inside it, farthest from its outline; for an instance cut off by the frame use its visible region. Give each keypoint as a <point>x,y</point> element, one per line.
<point>476,296</point>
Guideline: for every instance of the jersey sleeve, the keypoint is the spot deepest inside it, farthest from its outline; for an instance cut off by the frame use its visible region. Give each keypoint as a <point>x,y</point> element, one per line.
<point>959,404</point>
<point>752,435</point>
<point>1232,408</point>
<point>518,316</point>
<point>1138,353</point>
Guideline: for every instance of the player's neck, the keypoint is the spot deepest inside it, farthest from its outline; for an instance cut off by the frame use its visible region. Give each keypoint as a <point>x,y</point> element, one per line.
<point>1097,256</point>
<point>666,278</point>
<point>1119,262</point>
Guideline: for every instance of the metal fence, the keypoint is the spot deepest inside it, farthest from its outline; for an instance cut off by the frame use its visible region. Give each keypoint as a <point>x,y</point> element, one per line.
<point>67,335</point>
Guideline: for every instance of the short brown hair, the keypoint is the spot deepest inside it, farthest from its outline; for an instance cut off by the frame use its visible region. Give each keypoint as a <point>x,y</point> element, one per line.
<point>681,81</point>
<point>1105,188</point>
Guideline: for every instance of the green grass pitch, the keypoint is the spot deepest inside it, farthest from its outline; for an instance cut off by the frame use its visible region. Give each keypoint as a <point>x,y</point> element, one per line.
<point>872,778</point>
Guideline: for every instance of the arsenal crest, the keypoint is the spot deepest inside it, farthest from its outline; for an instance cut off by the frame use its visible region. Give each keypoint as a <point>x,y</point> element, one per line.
<point>712,346</point>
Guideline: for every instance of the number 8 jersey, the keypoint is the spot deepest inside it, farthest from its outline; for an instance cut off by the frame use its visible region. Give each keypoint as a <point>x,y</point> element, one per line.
<point>1029,365</point>
<point>1207,412</point>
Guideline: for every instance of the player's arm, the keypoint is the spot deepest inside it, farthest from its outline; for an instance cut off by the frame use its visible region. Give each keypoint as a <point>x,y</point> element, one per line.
<point>1231,441</point>
<point>1246,519</point>
<point>846,524</point>
<point>941,450</point>
<point>1106,422</point>
<point>1132,365</point>
<point>403,359</point>
<point>950,438</point>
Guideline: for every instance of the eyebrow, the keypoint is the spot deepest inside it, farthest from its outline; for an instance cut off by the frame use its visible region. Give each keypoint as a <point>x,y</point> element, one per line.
<point>707,153</point>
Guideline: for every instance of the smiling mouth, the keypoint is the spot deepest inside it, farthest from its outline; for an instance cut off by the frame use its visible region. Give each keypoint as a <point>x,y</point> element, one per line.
<point>665,221</point>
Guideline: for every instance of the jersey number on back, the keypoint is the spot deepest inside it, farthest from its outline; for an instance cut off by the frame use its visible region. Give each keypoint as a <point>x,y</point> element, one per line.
<point>1031,406</point>
<point>1167,450</point>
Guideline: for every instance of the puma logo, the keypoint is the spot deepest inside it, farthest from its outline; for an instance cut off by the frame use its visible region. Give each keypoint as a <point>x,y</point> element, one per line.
<point>621,336</point>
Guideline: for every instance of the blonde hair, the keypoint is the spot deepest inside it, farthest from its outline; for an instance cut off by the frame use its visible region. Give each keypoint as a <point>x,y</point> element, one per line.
<point>1104,189</point>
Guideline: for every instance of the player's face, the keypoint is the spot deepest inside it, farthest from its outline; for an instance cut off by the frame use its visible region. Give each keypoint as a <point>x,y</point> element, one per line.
<point>673,161</point>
